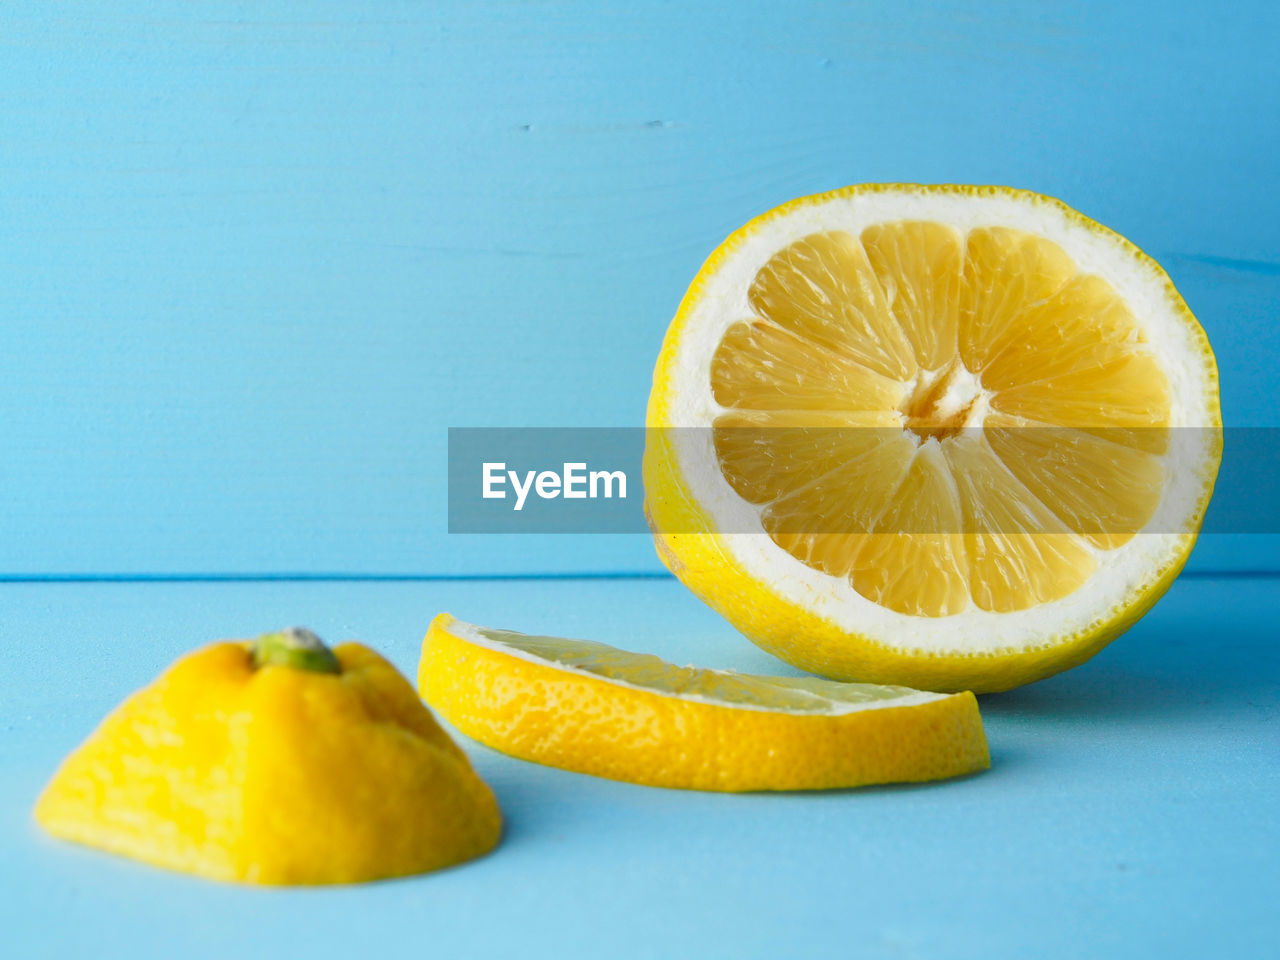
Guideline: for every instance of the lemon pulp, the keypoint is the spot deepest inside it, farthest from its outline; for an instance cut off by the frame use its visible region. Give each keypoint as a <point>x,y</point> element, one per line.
<point>801,695</point>
<point>945,419</point>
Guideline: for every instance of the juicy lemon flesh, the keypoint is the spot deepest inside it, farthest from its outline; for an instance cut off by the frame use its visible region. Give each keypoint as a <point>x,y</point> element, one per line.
<point>946,420</point>
<point>783,694</point>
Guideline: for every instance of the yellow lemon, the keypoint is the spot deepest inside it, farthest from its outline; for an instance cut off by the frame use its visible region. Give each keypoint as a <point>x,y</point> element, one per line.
<point>276,762</point>
<point>596,709</point>
<point>951,437</point>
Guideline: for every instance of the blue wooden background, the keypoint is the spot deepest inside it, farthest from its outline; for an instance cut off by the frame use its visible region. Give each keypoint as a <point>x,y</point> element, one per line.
<point>256,258</point>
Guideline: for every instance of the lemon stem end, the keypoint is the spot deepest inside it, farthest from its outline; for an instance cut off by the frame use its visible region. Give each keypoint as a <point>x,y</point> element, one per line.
<point>294,647</point>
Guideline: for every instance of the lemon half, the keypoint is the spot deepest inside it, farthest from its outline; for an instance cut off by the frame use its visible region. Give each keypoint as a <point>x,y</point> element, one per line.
<point>595,709</point>
<point>944,436</point>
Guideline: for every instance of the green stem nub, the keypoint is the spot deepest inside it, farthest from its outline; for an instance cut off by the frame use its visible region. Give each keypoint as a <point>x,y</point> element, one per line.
<point>297,648</point>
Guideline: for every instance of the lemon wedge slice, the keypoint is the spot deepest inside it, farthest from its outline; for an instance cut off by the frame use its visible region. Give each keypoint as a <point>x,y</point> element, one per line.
<point>595,709</point>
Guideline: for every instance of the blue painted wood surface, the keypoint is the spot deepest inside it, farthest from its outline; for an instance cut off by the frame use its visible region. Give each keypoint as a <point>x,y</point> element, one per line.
<point>255,259</point>
<point>1129,811</point>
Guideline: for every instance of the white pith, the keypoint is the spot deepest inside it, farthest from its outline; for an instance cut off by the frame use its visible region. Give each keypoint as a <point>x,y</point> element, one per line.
<point>1121,574</point>
<point>476,635</point>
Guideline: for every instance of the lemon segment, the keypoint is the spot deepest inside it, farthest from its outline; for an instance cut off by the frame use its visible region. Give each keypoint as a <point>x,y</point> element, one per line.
<point>949,411</point>
<point>595,709</point>
<point>823,290</point>
<point>918,265</point>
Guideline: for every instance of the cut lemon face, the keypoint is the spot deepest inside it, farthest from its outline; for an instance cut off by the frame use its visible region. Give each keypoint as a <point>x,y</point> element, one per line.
<point>953,437</point>
<point>595,709</point>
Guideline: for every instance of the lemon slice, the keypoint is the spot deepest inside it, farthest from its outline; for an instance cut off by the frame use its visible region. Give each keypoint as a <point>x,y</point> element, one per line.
<point>952,437</point>
<point>596,709</point>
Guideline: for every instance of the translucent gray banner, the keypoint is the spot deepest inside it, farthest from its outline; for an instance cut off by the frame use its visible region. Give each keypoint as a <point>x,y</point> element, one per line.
<point>848,480</point>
